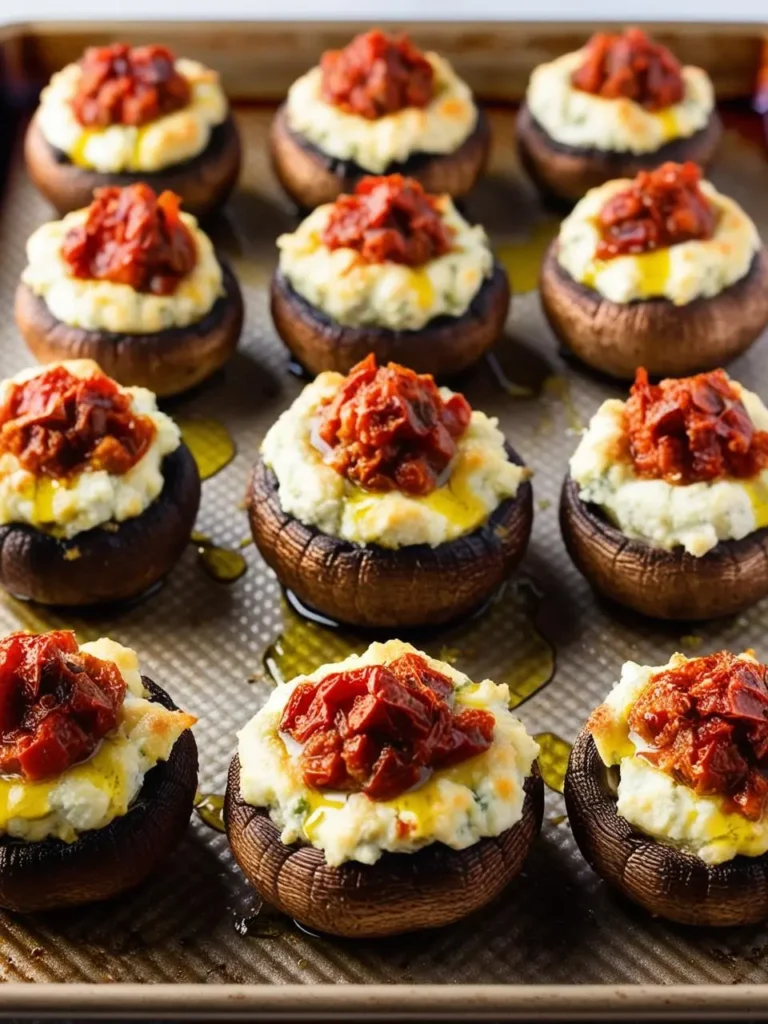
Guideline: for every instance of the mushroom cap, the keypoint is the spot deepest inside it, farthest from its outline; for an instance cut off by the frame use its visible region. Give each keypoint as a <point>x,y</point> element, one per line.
<point>101,565</point>
<point>103,862</point>
<point>659,583</point>
<point>311,177</point>
<point>204,182</point>
<point>665,880</point>
<point>566,173</point>
<point>401,892</point>
<point>167,362</point>
<point>443,347</point>
<point>668,340</point>
<point>373,586</point>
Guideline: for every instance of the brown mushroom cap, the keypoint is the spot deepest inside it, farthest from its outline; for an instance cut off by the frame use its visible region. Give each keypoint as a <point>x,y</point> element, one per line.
<point>445,346</point>
<point>204,182</point>
<point>167,362</point>
<point>653,581</point>
<point>399,893</point>
<point>103,862</point>
<point>101,565</point>
<point>665,880</point>
<point>568,172</point>
<point>374,586</point>
<point>668,340</point>
<point>311,177</point>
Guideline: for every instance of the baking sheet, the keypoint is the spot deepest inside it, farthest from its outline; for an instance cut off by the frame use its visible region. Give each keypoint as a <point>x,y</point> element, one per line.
<point>212,646</point>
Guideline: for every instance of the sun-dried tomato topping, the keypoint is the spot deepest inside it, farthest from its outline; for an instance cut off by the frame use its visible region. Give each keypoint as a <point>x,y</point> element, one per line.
<point>391,219</point>
<point>707,724</point>
<point>388,428</point>
<point>380,730</point>
<point>58,425</point>
<point>132,236</point>
<point>376,74</point>
<point>660,208</point>
<point>632,66</point>
<point>120,85</point>
<point>688,429</point>
<point>56,703</point>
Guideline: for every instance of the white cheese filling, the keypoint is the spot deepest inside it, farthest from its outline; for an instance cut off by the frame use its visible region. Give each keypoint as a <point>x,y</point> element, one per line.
<point>352,292</point>
<point>440,127</point>
<point>652,800</point>
<point>693,516</point>
<point>93,497</point>
<point>573,117</point>
<point>93,793</point>
<point>457,806</point>
<point>680,273</point>
<point>165,142</point>
<point>118,308</point>
<point>481,477</point>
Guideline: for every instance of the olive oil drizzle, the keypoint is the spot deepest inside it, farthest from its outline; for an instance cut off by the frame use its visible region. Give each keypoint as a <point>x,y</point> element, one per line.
<point>222,564</point>
<point>521,258</point>
<point>210,809</point>
<point>553,759</point>
<point>210,443</point>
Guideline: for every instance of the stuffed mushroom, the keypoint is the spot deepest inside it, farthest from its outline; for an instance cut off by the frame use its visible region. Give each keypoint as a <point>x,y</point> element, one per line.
<point>380,500</point>
<point>620,105</point>
<point>98,495</point>
<point>665,508</point>
<point>663,272</point>
<point>391,270</point>
<point>383,794</point>
<point>134,284</point>
<point>98,771</point>
<point>378,106</point>
<point>666,790</point>
<point>121,115</point>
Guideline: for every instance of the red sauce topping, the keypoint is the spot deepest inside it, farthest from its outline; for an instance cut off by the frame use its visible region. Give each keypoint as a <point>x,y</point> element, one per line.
<point>56,703</point>
<point>388,428</point>
<point>120,85</point>
<point>389,219</point>
<point>379,730</point>
<point>708,724</point>
<point>691,429</point>
<point>132,236</point>
<point>57,425</point>
<point>632,66</point>
<point>376,74</point>
<point>660,208</point>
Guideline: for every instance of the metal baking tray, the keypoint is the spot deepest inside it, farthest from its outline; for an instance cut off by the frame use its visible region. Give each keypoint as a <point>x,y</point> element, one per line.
<point>194,940</point>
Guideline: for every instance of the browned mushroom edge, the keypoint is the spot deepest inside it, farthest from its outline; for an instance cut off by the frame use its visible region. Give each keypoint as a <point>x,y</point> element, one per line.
<point>204,182</point>
<point>167,362</point>
<point>312,177</point>
<point>566,173</point>
<point>109,563</point>
<point>668,340</point>
<point>443,347</point>
<point>377,587</point>
<point>103,862</point>
<point>664,879</point>
<point>659,583</point>
<point>401,892</point>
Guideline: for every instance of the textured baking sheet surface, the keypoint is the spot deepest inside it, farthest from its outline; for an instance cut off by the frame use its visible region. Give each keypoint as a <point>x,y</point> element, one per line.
<point>210,643</point>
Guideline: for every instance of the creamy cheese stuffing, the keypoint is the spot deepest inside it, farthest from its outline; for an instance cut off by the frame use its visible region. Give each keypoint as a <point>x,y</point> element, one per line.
<point>91,498</point>
<point>164,142</point>
<point>480,478</point>
<point>680,273</point>
<point>118,308</point>
<point>93,793</point>
<point>352,292</point>
<point>581,119</point>
<point>650,799</point>
<point>457,806</point>
<point>440,127</point>
<point>693,516</point>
